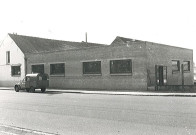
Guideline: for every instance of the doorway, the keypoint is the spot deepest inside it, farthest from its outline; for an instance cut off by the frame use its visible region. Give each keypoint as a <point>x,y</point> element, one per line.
<point>161,75</point>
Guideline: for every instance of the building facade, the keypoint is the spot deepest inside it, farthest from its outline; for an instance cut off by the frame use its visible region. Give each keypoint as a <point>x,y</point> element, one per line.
<point>12,63</point>
<point>125,64</point>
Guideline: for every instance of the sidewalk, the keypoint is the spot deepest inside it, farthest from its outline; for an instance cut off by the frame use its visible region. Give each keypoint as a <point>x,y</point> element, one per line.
<point>131,93</point>
<point>6,88</point>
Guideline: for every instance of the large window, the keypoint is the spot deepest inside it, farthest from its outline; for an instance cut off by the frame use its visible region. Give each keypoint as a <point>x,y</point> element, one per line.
<point>175,65</point>
<point>38,68</point>
<point>8,57</point>
<point>93,67</point>
<point>57,69</point>
<point>186,65</point>
<point>121,66</point>
<point>15,70</point>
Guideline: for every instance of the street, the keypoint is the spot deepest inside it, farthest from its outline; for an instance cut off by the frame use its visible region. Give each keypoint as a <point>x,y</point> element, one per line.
<point>56,112</point>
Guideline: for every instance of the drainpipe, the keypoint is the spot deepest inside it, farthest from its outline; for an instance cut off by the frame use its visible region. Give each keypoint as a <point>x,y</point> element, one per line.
<point>182,68</point>
<point>25,65</point>
<point>86,36</point>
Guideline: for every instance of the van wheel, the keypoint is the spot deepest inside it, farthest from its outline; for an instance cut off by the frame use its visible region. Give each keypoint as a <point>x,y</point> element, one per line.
<point>27,89</point>
<point>16,88</point>
<point>32,90</point>
<point>43,90</point>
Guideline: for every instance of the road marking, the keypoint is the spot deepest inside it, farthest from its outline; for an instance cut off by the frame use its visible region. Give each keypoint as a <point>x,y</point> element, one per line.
<point>25,130</point>
<point>8,133</point>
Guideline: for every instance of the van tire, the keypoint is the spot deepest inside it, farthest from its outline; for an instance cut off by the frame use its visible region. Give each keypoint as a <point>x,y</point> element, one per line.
<point>43,90</point>
<point>16,88</point>
<point>32,89</point>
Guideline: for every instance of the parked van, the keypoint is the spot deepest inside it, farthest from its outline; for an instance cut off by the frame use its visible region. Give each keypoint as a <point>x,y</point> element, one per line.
<point>32,82</point>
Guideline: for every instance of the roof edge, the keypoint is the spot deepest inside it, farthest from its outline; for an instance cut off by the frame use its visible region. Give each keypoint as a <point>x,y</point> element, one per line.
<point>154,43</point>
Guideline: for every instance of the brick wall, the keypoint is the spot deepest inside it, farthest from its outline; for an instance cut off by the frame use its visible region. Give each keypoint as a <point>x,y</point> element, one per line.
<point>163,55</point>
<point>74,78</point>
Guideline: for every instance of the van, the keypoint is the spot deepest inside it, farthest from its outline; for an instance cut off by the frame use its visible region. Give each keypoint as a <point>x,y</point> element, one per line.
<point>32,82</point>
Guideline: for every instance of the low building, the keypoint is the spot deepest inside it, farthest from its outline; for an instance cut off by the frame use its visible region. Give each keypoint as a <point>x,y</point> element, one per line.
<point>125,64</point>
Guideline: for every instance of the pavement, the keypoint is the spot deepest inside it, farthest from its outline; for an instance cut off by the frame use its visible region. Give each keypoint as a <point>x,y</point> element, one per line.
<point>191,93</point>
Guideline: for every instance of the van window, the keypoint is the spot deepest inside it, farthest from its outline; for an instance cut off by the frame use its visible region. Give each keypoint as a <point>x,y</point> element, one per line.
<point>27,78</point>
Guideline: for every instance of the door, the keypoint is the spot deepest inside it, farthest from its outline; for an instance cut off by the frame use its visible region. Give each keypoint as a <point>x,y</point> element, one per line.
<point>161,75</point>
<point>27,82</point>
<point>160,72</point>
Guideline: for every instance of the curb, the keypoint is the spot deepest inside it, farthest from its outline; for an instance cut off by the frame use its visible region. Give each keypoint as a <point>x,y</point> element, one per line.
<point>128,93</point>
<point>117,93</point>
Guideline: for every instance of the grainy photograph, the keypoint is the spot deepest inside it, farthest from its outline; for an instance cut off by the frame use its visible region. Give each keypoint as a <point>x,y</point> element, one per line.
<point>97,67</point>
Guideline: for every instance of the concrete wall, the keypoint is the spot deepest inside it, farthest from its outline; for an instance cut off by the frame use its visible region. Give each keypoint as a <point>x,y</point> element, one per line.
<point>74,78</point>
<point>163,55</point>
<point>16,58</point>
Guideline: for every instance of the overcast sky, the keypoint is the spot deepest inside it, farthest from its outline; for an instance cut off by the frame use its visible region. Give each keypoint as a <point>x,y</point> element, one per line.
<point>171,22</point>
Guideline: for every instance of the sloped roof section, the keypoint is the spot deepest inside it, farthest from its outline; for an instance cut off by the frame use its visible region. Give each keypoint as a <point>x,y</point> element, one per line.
<point>29,44</point>
<point>122,40</point>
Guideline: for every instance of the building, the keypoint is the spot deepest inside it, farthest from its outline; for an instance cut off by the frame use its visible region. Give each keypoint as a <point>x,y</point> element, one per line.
<point>125,64</point>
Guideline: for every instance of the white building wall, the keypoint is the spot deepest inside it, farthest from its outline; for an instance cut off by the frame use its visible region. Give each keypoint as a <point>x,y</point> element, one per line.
<point>16,58</point>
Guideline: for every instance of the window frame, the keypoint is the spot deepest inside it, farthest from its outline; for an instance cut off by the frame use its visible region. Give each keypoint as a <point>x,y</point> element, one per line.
<point>91,73</point>
<point>178,66</point>
<point>12,67</point>
<point>53,74</point>
<point>189,66</point>
<point>7,57</point>
<point>121,73</point>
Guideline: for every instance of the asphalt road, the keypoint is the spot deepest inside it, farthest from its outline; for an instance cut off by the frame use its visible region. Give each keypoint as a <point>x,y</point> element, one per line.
<point>86,114</point>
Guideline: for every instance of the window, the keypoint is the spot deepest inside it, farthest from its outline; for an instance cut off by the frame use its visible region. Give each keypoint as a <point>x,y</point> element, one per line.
<point>186,65</point>
<point>121,66</point>
<point>175,65</point>
<point>15,70</point>
<point>93,67</point>
<point>57,69</point>
<point>8,57</point>
<point>38,68</point>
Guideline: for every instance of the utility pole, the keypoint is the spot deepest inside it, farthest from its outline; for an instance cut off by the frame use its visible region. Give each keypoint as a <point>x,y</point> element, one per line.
<point>86,36</point>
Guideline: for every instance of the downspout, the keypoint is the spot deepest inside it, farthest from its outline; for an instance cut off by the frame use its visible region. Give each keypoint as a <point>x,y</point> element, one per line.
<point>25,65</point>
<point>182,68</point>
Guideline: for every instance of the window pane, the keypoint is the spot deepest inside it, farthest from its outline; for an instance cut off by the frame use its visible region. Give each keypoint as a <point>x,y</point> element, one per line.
<point>38,68</point>
<point>57,69</point>
<point>175,65</point>
<point>15,70</point>
<point>186,65</point>
<point>120,66</point>
<point>92,67</point>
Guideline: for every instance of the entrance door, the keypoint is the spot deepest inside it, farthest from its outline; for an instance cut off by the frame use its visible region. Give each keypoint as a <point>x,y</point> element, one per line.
<point>161,75</point>
<point>160,72</point>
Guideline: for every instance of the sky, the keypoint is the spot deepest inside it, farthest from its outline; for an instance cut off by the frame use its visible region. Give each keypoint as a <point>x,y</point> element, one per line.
<point>171,22</point>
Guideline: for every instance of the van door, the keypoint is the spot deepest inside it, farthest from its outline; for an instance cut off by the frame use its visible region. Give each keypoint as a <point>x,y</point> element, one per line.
<point>27,84</point>
<point>23,83</point>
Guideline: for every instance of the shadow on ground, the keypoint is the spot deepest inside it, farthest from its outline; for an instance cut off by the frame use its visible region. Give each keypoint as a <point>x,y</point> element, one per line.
<point>46,92</point>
